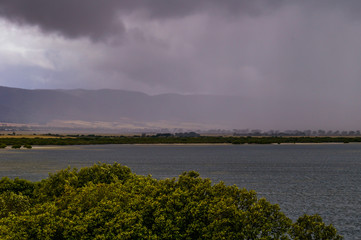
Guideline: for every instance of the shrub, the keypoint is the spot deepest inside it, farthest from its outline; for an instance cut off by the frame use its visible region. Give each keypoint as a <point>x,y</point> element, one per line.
<point>109,202</point>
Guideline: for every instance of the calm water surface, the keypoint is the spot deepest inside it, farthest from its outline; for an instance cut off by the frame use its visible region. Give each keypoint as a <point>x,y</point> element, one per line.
<point>302,179</point>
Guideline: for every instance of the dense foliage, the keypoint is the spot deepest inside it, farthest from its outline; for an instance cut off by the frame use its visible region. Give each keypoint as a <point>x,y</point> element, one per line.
<point>110,202</point>
<point>93,139</point>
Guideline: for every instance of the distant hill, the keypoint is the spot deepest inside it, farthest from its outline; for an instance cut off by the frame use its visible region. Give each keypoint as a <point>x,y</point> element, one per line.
<point>42,106</point>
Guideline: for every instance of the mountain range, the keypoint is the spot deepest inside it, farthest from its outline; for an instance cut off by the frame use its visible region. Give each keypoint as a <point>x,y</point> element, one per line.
<point>118,106</point>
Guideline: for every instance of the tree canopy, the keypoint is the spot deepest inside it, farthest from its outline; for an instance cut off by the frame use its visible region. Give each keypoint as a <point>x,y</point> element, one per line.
<point>110,202</point>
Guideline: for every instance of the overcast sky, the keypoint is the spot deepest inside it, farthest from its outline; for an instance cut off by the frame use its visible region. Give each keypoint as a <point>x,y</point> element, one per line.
<point>306,53</point>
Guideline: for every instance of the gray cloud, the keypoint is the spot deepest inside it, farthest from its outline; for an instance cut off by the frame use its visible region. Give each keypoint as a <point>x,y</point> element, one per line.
<point>297,61</point>
<point>102,19</point>
<point>71,18</point>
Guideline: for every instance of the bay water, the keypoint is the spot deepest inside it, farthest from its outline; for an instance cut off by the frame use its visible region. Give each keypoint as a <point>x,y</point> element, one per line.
<point>301,178</point>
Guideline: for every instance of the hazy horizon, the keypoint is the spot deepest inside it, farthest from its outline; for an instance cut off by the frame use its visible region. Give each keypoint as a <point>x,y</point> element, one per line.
<point>295,64</point>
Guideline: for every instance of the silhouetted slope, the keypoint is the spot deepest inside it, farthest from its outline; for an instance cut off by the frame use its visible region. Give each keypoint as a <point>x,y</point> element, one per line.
<point>25,106</point>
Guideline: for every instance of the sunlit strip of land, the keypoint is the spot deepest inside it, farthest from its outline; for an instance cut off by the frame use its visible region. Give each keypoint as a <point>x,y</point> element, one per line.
<point>28,136</point>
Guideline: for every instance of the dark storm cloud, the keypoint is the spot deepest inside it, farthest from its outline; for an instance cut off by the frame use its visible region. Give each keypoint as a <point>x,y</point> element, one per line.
<point>100,19</point>
<point>71,18</point>
<point>297,61</point>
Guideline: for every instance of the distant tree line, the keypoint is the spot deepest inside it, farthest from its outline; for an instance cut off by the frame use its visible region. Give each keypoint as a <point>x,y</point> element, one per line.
<point>168,139</point>
<point>298,133</point>
<point>110,202</point>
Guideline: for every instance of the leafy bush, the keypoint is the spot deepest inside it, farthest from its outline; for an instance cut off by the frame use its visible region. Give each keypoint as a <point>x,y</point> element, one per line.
<point>312,227</point>
<point>110,202</point>
<point>18,186</point>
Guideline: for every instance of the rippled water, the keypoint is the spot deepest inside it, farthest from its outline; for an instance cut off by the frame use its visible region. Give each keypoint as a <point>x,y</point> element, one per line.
<point>302,179</point>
